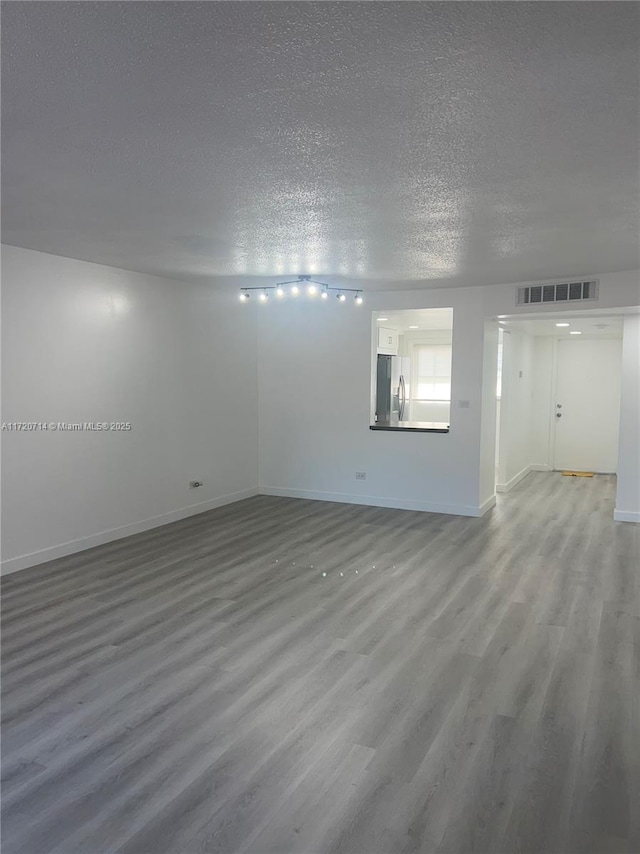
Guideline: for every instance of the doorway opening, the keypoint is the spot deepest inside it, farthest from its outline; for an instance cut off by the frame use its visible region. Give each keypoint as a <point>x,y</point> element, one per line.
<point>558,397</point>
<point>411,369</point>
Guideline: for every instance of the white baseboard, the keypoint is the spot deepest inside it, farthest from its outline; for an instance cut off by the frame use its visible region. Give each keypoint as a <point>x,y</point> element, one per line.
<point>486,506</point>
<point>376,501</point>
<point>52,553</point>
<point>505,487</point>
<point>625,516</point>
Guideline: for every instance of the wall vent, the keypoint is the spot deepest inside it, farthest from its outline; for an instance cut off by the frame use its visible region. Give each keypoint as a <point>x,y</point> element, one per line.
<point>565,292</point>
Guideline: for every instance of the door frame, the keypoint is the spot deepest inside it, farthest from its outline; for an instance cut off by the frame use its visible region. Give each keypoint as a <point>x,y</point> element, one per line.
<point>551,450</point>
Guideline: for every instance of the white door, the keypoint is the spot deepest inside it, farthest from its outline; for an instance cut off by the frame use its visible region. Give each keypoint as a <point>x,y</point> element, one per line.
<point>587,406</point>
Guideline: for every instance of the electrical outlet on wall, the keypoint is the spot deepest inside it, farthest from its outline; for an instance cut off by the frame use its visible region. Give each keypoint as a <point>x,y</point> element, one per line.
<point>361,475</point>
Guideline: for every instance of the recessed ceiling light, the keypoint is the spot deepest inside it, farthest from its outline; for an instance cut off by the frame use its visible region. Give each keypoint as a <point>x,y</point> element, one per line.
<point>383,318</point>
<point>502,316</point>
<point>563,324</point>
<point>575,332</point>
<point>414,327</point>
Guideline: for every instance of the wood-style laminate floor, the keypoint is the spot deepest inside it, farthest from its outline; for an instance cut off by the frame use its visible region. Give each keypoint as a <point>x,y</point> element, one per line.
<point>283,675</point>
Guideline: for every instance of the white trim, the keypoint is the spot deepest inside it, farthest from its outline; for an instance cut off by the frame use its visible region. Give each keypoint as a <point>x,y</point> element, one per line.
<point>505,487</point>
<point>625,516</point>
<point>553,421</point>
<point>376,501</point>
<point>24,561</point>
<point>486,506</point>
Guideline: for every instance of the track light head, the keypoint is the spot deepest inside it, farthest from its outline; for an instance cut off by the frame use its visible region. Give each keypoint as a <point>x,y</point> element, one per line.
<point>264,296</point>
<point>280,291</point>
<point>340,297</point>
<point>358,299</point>
<point>295,290</point>
<point>244,296</point>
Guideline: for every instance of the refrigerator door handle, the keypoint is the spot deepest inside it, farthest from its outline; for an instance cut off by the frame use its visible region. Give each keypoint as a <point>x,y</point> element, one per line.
<point>403,397</point>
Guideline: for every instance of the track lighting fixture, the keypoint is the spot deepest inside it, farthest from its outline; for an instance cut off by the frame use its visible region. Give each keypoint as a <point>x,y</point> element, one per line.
<point>312,287</point>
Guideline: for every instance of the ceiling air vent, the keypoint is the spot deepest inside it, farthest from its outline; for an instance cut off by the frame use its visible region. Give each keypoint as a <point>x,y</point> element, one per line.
<point>565,292</point>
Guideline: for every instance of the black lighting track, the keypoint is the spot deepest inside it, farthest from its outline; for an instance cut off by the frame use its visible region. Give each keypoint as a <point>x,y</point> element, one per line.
<point>313,287</point>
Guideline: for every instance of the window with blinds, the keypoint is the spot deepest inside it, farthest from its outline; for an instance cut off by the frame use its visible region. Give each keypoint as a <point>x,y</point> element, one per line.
<point>432,372</point>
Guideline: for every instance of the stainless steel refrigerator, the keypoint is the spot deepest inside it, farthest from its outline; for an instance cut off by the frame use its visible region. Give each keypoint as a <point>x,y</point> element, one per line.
<point>391,389</point>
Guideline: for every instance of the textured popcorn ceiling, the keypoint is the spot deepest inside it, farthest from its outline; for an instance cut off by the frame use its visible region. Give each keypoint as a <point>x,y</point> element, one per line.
<point>448,142</point>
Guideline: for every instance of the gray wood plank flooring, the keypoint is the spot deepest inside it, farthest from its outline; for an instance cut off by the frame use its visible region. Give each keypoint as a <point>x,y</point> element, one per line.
<point>283,675</point>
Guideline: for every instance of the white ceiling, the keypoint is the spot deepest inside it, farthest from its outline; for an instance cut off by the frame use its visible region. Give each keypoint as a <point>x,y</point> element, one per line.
<point>437,143</point>
<point>589,326</point>
<point>422,318</point>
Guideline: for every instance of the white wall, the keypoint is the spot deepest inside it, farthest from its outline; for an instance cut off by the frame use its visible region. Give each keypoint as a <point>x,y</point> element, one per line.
<point>516,454</point>
<point>181,363</point>
<point>628,493</point>
<point>617,290</point>
<point>543,385</point>
<point>83,342</point>
<point>314,389</point>
<point>487,482</point>
<point>315,364</point>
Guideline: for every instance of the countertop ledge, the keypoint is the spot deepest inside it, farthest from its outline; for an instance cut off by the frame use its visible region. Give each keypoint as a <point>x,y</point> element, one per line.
<point>412,426</point>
